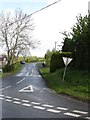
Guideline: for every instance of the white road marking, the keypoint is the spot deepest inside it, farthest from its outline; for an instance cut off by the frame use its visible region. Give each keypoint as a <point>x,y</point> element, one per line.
<point>71,114</point>
<point>1,98</point>
<point>20,81</point>
<point>2,95</point>
<point>16,102</point>
<point>5,88</point>
<point>52,110</point>
<point>25,101</point>
<point>32,71</point>
<point>38,107</point>
<point>27,89</point>
<point>81,112</point>
<point>8,100</point>
<point>62,108</point>
<point>26,104</point>
<point>46,105</point>
<point>16,99</point>
<point>27,74</point>
<point>8,97</point>
<point>39,75</point>
<point>20,74</point>
<point>87,118</point>
<point>35,103</point>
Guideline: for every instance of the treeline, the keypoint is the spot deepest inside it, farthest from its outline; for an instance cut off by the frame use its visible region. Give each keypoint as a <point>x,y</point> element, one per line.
<point>77,43</point>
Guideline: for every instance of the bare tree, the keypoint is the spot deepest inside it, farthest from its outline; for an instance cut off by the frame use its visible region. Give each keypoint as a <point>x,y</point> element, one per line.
<point>15,33</point>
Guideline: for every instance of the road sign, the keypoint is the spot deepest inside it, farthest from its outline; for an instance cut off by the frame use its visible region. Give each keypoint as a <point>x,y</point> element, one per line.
<point>66,61</point>
<point>27,89</point>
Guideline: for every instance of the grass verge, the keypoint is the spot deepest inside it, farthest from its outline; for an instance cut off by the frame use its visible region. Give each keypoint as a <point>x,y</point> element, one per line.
<point>76,83</point>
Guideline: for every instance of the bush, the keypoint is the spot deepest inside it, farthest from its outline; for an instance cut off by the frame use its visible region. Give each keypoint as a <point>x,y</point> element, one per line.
<point>8,68</point>
<point>57,61</point>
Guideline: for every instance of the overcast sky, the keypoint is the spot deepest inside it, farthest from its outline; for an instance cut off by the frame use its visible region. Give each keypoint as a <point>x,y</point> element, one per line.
<point>49,22</point>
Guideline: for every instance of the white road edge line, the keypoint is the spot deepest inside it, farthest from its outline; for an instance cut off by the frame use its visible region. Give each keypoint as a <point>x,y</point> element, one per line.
<point>72,114</point>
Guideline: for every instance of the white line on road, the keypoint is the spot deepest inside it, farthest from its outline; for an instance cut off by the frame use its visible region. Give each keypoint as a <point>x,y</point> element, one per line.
<point>87,118</point>
<point>26,104</point>
<point>25,101</point>
<point>71,114</point>
<point>81,112</point>
<point>35,103</point>
<point>27,74</point>
<point>8,100</point>
<point>20,74</point>
<point>38,107</point>
<point>8,97</point>
<point>16,99</point>
<point>20,81</point>
<point>2,95</point>
<point>1,98</point>
<point>62,108</point>
<point>5,88</point>
<point>16,102</point>
<point>46,105</point>
<point>52,110</point>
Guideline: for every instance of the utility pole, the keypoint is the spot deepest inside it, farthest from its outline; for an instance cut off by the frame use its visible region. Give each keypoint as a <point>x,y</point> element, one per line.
<point>89,8</point>
<point>55,45</point>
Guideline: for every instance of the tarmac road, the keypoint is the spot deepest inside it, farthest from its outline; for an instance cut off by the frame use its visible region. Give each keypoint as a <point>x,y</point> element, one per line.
<point>25,95</point>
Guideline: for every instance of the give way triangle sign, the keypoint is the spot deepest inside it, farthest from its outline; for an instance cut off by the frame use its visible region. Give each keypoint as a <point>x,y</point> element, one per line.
<point>67,60</point>
<point>27,89</point>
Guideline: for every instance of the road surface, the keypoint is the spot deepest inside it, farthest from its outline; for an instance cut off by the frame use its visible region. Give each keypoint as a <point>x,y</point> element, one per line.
<point>25,95</point>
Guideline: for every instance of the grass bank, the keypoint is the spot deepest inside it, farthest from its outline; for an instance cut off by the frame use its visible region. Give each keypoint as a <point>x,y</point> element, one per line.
<point>76,82</point>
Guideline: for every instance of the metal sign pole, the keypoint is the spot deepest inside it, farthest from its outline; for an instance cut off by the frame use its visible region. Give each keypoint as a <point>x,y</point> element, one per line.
<point>65,70</point>
<point>64,73</point>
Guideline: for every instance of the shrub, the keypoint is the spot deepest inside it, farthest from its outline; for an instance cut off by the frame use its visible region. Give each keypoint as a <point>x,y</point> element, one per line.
<point>57,61</point>
<point>8,68</point>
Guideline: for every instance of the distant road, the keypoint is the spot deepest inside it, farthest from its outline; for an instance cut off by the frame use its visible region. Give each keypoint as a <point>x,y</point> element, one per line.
<point>25,95</point>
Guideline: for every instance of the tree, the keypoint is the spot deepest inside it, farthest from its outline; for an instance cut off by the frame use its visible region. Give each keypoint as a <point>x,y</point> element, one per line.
<point>79,42</point>
<point>15,33</point>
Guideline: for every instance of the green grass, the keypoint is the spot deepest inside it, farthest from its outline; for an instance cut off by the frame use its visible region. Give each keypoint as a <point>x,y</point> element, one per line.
<point>0,74</point>
<point>76,82</point>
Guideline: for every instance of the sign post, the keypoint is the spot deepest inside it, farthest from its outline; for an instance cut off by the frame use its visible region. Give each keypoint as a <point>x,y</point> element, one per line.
<point>66,62</point>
